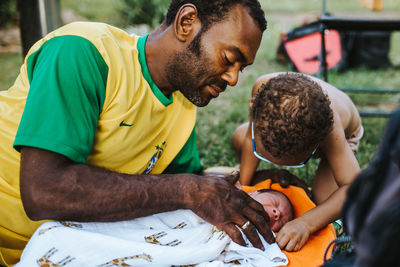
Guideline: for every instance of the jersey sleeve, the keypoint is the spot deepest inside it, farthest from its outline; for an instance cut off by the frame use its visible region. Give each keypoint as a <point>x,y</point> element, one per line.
<point>188,159</point>
<point>67,77</point>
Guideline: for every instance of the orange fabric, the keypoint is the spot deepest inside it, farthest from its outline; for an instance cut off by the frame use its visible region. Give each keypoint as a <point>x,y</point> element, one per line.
<point>304,51</point>
<point>312,253</point>
<point>375,5</point>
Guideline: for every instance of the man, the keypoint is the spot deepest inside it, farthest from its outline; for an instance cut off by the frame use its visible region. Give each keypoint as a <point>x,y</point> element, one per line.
<point>109,123</point>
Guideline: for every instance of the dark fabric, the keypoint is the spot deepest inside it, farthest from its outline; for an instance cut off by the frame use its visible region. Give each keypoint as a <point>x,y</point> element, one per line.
<point>358,48</point>
<point>365,48</point>
<point>372,209</point>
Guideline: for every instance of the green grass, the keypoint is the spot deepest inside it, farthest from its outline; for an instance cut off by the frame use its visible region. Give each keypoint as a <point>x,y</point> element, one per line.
<point>97,10</point>
<point>332,6</point>
<point>218,120</point>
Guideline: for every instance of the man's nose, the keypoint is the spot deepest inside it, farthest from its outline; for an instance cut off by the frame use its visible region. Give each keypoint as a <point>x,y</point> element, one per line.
<point>231,76</point>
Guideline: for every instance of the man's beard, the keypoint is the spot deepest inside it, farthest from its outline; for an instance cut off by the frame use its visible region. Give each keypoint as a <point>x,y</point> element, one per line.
<point>190,70</point>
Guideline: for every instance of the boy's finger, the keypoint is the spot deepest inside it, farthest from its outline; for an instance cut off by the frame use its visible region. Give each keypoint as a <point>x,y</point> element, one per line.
<point>290,246</point>
<point>282,239</point>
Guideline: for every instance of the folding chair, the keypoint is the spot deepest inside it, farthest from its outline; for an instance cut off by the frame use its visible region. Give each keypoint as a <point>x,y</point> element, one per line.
<point>356,24</point>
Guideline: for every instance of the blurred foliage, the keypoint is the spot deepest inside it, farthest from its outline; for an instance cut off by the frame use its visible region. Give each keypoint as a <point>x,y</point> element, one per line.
<point>217,121</point>
<point>8,12</point>
<point>96,10</point>
<point>9,67</point>
<point>336,7</point>
<point>150,12</point>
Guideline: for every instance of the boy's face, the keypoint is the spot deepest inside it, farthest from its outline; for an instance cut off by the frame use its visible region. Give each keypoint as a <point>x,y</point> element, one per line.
<point>277,207</point>
<point>295,160</point>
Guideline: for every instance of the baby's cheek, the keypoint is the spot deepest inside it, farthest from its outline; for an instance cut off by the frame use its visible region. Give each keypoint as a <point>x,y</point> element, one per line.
<point>274,225</point>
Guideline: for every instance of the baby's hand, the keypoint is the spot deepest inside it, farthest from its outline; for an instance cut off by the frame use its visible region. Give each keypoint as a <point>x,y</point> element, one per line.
<point>293,235</point>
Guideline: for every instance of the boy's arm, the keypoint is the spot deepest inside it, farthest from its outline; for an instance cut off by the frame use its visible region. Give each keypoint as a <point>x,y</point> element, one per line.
<point>248,162</point>
<point>341,158</point>
<point>344,167</point>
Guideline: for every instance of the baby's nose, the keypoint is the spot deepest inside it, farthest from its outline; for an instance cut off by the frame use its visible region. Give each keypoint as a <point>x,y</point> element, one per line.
<point>276,214</point>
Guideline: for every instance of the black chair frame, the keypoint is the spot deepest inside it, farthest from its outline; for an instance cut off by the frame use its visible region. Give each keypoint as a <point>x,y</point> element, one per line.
<point>357,24</point>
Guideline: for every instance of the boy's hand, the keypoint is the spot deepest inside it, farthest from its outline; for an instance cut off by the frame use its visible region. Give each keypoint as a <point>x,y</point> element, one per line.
<point>293,235</point>
<point>283,177</point>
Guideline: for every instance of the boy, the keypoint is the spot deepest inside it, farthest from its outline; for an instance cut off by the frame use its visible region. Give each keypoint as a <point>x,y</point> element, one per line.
<point>295,117</point>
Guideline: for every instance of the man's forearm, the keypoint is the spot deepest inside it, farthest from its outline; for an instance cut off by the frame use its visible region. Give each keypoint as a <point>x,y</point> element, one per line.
<point>80,192</point>
<point>53,187</point>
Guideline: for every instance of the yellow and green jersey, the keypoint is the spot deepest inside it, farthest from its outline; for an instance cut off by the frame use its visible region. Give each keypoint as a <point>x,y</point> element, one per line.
<point>84,91</point>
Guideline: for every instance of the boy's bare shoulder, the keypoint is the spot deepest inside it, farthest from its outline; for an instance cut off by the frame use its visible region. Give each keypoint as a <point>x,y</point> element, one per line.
<point>342,106</point>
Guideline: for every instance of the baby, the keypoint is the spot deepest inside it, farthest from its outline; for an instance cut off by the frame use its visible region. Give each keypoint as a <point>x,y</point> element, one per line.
<point>171,238</point>
<point>277,205</point>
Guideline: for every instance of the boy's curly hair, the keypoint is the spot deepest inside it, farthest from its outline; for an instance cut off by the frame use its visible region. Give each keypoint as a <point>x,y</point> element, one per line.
<point>291,113</point>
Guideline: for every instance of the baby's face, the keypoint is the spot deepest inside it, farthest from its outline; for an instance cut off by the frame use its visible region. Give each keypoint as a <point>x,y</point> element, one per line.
<point>277,207</point>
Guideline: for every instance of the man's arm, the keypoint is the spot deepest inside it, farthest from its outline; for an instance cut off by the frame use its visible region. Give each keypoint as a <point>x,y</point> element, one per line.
<point>54,187</point>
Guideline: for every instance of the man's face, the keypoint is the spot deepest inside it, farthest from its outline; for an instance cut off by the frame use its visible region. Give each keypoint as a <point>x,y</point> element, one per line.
<point>192,74</point>
<point>276,205</point>
<point>214,58</point>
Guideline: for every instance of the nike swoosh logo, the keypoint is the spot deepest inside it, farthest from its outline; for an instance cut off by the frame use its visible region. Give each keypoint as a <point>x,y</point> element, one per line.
<point>125,124</point>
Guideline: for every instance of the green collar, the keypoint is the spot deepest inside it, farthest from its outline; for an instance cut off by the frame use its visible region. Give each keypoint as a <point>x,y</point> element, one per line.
<point>146,74</point>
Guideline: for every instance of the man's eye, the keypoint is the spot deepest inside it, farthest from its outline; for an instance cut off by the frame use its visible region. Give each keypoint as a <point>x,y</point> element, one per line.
<point>228,62</point>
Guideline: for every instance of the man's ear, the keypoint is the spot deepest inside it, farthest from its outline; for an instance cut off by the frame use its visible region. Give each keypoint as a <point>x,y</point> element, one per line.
<point>187,23</point>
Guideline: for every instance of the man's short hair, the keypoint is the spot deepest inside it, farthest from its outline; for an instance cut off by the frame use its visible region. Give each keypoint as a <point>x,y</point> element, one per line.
<point>291,113</point>
<point>213,11</point>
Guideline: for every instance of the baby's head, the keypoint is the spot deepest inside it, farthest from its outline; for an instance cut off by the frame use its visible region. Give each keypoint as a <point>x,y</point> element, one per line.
<point>291,115</point>
<point>277,205</point>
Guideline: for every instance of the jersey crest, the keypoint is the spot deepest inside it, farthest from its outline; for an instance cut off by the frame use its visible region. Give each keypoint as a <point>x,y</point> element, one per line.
<point>152,162</point>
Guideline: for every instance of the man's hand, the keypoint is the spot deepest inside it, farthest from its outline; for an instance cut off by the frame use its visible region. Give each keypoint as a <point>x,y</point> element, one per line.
<point>283,177</point>
<point>216,200</point>
<point>293,235</point>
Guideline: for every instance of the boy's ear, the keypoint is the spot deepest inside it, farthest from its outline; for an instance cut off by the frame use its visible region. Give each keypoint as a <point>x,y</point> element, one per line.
<point>187,23</point>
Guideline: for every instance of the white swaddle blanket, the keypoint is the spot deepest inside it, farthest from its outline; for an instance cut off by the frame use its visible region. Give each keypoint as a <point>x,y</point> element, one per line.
<point>165,239</point>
